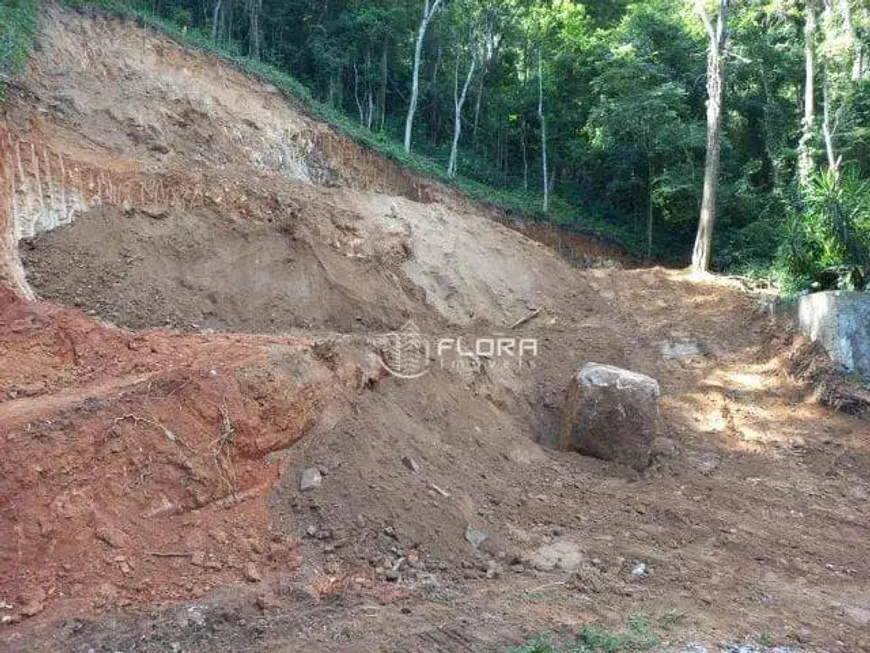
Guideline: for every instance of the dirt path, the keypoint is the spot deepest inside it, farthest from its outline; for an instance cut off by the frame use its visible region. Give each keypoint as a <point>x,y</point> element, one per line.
<point>150,492</point>
<point>753,523</point>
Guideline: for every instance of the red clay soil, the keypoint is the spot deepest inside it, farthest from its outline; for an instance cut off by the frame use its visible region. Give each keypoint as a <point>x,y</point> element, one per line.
<point>128,456</point>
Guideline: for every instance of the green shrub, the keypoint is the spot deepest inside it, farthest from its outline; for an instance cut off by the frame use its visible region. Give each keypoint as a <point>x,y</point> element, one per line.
<point>18,22</point>
<point>827,243</point>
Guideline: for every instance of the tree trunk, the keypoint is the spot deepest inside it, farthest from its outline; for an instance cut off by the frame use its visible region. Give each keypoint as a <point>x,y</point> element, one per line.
<point>229,22</point>
<point>359,105</point>
<point>477,105</point>
<point>862,57</point>
<point>543,132</point>
<point>428,11</point>
<point>703,250</point>
<point>458,103</point>
<point>525,158</point>
<point>254,37</point>
<point>827,127</point>
<point>215,21</point>
<point>370,100</point>
<point>852,36</point>
<point>649,199</point>
<point>384,72</point>
<point>805,155</point>
<point>489,53</point>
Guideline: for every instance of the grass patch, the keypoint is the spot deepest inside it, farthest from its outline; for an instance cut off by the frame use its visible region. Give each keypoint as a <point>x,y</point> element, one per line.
<point>18,23</point>
<point>594,639</point>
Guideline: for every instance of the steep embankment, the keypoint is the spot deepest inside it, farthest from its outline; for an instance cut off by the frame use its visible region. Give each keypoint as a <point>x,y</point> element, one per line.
<point>152,186</point>
<point>121,117</point>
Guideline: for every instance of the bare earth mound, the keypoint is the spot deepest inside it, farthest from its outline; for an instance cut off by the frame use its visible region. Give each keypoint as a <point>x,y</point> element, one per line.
<point>205,270</point>
<point>150,482</point>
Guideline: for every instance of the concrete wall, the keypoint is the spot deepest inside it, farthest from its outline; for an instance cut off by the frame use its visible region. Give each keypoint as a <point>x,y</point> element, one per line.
<point>840,320</point>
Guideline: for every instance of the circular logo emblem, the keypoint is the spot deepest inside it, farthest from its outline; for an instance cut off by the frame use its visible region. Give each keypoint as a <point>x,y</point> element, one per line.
<point>405,353</point>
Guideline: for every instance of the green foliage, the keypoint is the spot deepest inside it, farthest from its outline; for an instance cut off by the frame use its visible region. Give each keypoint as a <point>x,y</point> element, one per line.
<point>644,137</point>
<point>18,22</point>
<point>624,102</point>
<point>827,245</point>
<point>592,639</point>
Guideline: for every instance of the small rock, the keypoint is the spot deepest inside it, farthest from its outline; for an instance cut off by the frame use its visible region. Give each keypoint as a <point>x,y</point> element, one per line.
<point>219,536</point>
<point>588,579</point>
<point>32,602</point>
<point>198,558</point>
<point>561,554</point>
<point>311,531</point>
<point>664,448</point>
<point>195,616</point>
<point>162,509</point>
<point>112,535</point>
<point>493,569</point>
<point>324,534</point>
<point>640,571</point>
<point>706,463</point>
<point>160,148</point>
<point>311,479</point>
<point>266,602</point>
<point>410,463</point>
<point>680,350</point>
<point>694,648</point>
<point>252,574</point>
<point>392,575</point>
<point>155,211</point>
<point>475,537</point>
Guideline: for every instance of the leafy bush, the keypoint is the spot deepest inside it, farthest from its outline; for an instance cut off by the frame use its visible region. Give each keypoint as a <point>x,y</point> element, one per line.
<point>827,244</point>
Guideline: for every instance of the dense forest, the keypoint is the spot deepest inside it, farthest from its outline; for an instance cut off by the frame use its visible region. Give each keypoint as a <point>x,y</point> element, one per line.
<point>640,120</point>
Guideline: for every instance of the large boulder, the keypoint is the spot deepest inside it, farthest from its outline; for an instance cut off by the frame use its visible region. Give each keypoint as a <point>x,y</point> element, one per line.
<point>611,413</point>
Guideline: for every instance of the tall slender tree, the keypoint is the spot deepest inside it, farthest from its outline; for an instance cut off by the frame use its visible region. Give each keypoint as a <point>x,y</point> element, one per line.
<point>429,9</point>
<point>805,155</point>
<point>255,8</point>
<point>828,127</point>
<point>459,102</point>
<point>718,38</point>
<point>543,119</point>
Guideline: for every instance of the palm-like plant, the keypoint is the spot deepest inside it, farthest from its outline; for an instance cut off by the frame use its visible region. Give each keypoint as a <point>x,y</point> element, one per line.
<point>828,244</point>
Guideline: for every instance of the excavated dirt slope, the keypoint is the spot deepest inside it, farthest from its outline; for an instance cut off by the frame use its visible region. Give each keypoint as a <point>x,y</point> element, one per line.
<point>215,273</point>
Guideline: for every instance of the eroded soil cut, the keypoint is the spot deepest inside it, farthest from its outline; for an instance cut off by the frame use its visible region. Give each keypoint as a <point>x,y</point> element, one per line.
<point>205,270</point>
<point>150,494</point>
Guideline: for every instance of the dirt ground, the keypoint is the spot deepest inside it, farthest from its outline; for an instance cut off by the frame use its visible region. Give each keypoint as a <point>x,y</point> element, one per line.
<point>215,273</point>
